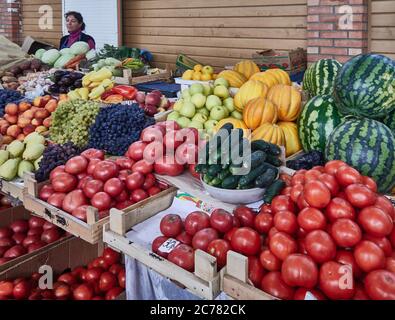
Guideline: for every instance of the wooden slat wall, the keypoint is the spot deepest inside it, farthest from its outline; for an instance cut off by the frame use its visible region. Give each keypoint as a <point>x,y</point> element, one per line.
<point>219,32</point>
<point>31,16</point>
<point>383,27</point>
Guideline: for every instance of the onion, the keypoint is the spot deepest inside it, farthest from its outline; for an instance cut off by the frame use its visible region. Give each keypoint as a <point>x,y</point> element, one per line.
<point>140,97</point>
<point>152,99</point>
<point>5,201</point>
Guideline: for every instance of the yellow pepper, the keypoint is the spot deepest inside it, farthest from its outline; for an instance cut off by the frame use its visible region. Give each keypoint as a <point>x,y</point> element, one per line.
<point>84,93</point>
<point>97,92</point>
<point>74,95</point>
<point>102,74</point>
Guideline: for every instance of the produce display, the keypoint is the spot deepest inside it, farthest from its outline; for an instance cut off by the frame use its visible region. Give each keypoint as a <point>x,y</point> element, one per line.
<point>327,219</point>
<point>364,86</point>
<point>71,122</point>
<point>307,161</point>
<point>25,236</point>
<point>116,127</point>
<point>24,118</point>
<point>103,279</point>
<point>21,156</point>
<point>203,106</point>
<point>65,81</point>
<point>166,148</point>
<point>153,102</point>
<point>199,73</point>
<point>111,63</point>
<point>89,180</point>
<point>8,96</point>
<point>368,146</point>
<point>5,202</point>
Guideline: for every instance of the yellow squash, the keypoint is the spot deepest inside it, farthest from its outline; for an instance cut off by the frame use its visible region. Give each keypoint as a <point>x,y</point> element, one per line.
<point>266,78</point>
<point>288,101</point>
<point>259,111</point>
<point>270,133</point>
<point>250,90</point>
<point>291,134</point>
<point>247,68</point>
<point>281,76</point>
<point>235,79</point>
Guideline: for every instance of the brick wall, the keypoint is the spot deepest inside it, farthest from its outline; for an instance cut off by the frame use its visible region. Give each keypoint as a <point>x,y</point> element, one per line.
<point>336,29</point>
<point>10,22</point>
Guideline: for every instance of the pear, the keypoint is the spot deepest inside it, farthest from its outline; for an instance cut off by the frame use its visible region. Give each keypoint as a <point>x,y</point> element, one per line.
<point>33,151</point>
<point>34,137</point>
<point>9,169</point>
<point>4,156</point>
<point>16,148</point>
<point>24,166</point>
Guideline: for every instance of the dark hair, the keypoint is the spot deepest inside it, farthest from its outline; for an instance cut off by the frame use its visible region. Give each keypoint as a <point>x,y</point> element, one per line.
<point>77,16</point>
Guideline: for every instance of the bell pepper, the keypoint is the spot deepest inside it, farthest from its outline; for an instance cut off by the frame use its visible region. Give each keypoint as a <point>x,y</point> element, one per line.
<point>106,94</point>
<point>102,74</point>
<point>128,92</point>
<point>97,92</point>
<point>84,93</point>
<point>114,98</point>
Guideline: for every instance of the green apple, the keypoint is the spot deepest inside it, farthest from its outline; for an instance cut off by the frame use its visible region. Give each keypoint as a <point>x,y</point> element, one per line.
<point>229,104</point>
<point>221,91</point>
<point>173,116</point>
<point>183,122</point>
<point>208,90</point>
<point>227,113</point>
<point>213,101</point>
<point>237,115</point>
<point>178,105</point>
<point>200,117</point>
<point>196,88</point>
<point>188,110</point>
<point>204,111</point>
<point>221,82</point>
<point>199,100</point>
<point>186,94</point>
<point>208,70</point>
<point>210,124</point>
<point>218,113</point>
<point>195,124</point>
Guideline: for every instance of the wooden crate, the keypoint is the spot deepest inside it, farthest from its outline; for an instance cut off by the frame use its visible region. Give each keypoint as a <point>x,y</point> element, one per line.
<point>129,79</point>
<point>204,282</point>
<point>12,188</point>
<point>6,218</point>
<point>235,282</point>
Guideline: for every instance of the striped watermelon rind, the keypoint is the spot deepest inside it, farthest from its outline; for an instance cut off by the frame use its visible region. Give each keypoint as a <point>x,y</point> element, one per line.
<point>389,121</point>
<point>365,86</point>
<point>368,146</point>
<point>317,121</point>
<point>319,77</point>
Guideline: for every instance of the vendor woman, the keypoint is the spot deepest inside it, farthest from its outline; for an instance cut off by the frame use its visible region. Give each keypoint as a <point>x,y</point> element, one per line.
<point>75,26</point>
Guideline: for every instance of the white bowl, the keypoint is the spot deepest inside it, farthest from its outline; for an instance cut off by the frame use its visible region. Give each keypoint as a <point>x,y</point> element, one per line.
<point>235,196</point>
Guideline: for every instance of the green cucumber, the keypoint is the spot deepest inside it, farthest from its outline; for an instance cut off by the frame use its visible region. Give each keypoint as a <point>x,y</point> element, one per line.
<point>250,178</point>
<point>234,168</point>
<point>266,179</point>
<point>254,160</point>
<point>214,169</point>
<point>230,182</point>
<point>267,147</point>
<point>207,179</point>
<point>274,190</point>
<point>273,160</point>
<point>223,174</point>
<point>216,182</point>
<point>201,168</point>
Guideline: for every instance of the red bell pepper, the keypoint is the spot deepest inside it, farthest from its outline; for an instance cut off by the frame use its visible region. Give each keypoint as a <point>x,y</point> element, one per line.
<point>106,94</point>
<point>128,92</point>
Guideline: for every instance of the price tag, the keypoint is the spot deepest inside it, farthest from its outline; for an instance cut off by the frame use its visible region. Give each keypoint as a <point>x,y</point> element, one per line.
<point>309,296</point>
<point>169,245</point>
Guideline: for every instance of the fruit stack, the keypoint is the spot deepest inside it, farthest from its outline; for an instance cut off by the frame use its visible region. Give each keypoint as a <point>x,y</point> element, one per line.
<point>200,73</point>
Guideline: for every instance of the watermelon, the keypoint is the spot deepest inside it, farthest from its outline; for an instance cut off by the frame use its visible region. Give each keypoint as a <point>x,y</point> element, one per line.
<point>365,86</point>
<point>368,146</point>
<point>318,119</point>
<point>389,121</point>
<point>319,77</point>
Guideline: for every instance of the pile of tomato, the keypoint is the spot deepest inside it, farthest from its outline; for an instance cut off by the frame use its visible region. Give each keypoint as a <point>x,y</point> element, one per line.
<point>103,279</point>
<point>90,180</point>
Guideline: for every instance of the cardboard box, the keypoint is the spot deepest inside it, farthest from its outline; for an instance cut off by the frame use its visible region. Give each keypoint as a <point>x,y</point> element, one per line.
<point>293,61</point>
<point>31,45</point>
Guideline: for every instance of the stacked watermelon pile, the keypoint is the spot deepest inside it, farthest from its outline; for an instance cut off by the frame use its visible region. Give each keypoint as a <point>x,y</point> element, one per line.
<point>351,115</point>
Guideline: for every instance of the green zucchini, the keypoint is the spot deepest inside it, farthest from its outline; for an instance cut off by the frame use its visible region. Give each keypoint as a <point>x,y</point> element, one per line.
<point>214,169</point>
<point>223,174</point>
<point>250,178</point>
<point>216,182</point>
<point>266,147</point>
<point>273,160</point>
<point>266,179</point>
<point>230,182</point>
<point>254,160</point>
<point>273,191</point>
<point>207,179</point>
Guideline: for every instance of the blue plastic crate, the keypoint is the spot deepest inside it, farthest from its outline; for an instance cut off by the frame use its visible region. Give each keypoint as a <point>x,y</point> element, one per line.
<point>169,90</point>
<point>297,77</point>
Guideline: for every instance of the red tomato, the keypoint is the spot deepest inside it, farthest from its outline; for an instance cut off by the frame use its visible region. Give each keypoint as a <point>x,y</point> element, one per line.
<point>123,196</point>
<point>55,172</point>
<point>383,243</point>
<point>312,175</point>
<point>299,270</point>
<point>92,187</point>
<point>81,212</point>
<point>93,154</point>
<point>380,285</point>
<point>171,225</point>
<point>221,220</point>
<point>386,205</point>
<point>172,140</point>
<point>73,200</point>
<point>153,191</point>
<point>331,167</point>
<point>286,191</point>
<point>30,240</point>
<point>311,219</point>
<point>390,264</point>
<point>296,191</point>
<point>273,284</point>
<point>83,292</point>
<point>93,274</point>
<point>360,196</point>
<point>152,133</point>
<point>392,237</point>
<point>287,179</point>
<point>320,246</point>
<point>116,268</point>
<point>331,281</point>
<point>346,233</point>
<point>149,181</point>
<point>64,183</point>
<point>269,261</point>
<point>187,154</point>
<point>35,231</point>
<point>246,241</point>
<point>196,221</point>
<point>68,278</point>
<point>347,258</point>
<point>339,208</point>
<point>285,221</point>
<point>272,232</point>
<point>219,249</point>
<point>62,292</point>
<point>76,165</point>
<point>245,215</point>
<point>282,203</point>
<point>317,194</point>
<point>369,256</point>
<point>82,183</point>
<point>36,246</point>
<point>191,169</point>
<point>375,222</point>
<point>114,293</point>
<point>92,165</point>
<point>282,245</point>
<point>330,182</point>
<point>45,192</point>
<point>122,278</point>
<point>136,150</point>
<point>157,243</point>
<point>183,256</point>
<point>360,293</point>
<point>347,175</point>
<point>263,222</point>
<point>139,195</point>
<point>111,256</point>
<point>301,293</point>
<point>20,226</point>
<point>228,236</point>
<point>135,181</point>
<point>202,238</point>
<point>6,288</point>
<point>22,290</point>
<point>107,281</point>
<point>114,187</point>
<point>302,203</point>
<point>105,170</point>
<point>184,238</point>
<point>101,201</point>
<point>168,167</point>
<point>6,232</point>
<point>143,166</point>
<point>298,178</point>
<point>124,163</point>
<point>255,271</point>
<point>370,183</point>
<point>51,235</point>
